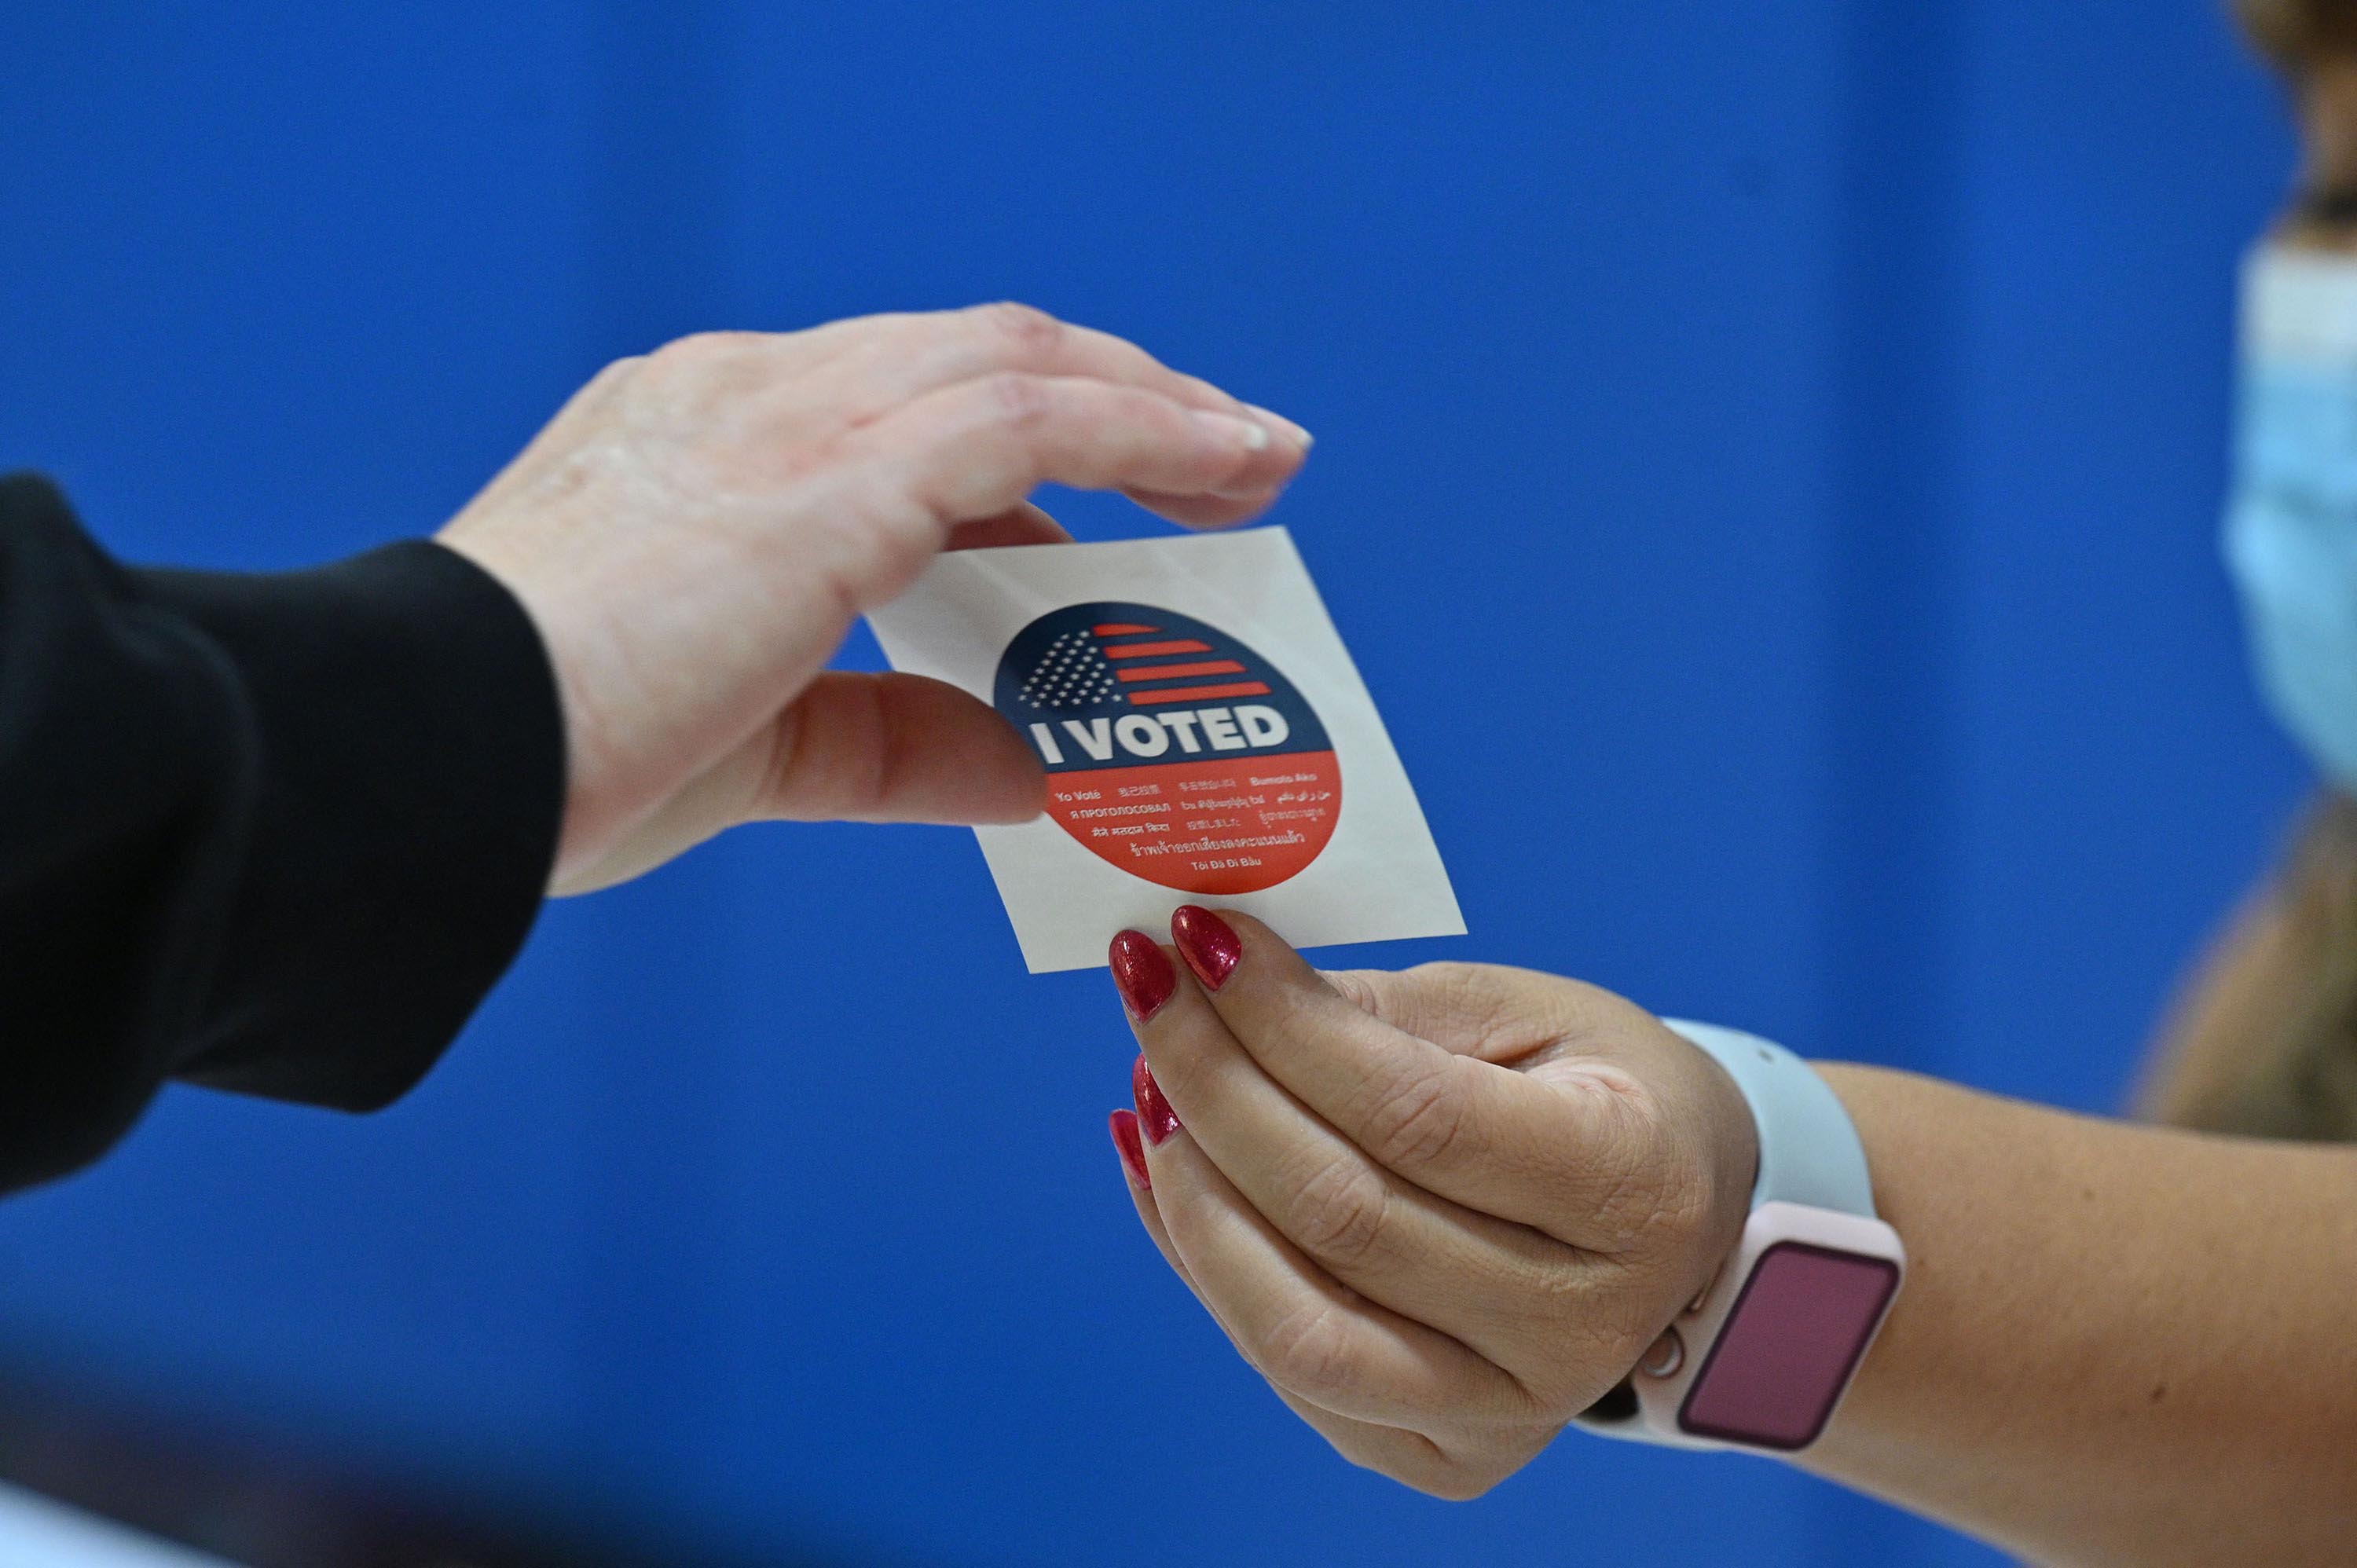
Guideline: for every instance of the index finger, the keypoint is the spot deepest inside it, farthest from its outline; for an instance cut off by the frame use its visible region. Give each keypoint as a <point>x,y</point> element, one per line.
<point>1571,1155</point>
<point>1410,1458</point>
<point>910,354</point>
<point>979,447</point>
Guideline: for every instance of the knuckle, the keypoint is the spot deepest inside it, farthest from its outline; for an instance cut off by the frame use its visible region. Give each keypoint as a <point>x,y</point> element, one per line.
<point>695,349</point>
<point>1353,986</point>
<point>1562,1295</point>
<point>1635,1180</point>
<point>857,731</point>
<point>1406,1458</point>
<point>1370,1459</point>
<point>1308,1352</point>
<point>1590,1338</point>
<point>1669,1214</point>
<point>1430,1474</point>
<point>1182,1070</point>
<point>705,364</point>
<point>1479,993</point>
<point>1340,1210</point>
<point>1201,393</point>
<point>1029,332</point>
<point>1417,1122</point>
<point>618,369</point>
<point>1018,402</point>
<point>1455,1484</point>
<point>1631,1206</point>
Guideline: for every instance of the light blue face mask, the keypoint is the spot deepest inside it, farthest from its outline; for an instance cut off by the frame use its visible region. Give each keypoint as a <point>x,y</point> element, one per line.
<point>2291,522</point>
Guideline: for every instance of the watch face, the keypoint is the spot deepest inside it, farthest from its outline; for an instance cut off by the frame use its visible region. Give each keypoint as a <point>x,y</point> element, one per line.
<point>1789,1345</point>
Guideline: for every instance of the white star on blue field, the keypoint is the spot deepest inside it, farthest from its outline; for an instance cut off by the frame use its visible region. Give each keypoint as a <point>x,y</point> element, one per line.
<point>1072,674</point>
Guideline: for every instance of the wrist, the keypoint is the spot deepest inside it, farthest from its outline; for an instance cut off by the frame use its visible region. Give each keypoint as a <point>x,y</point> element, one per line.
<point>1762,1355</point>
<point>1734,1165</point>
<point>481,547</point>
<point>606,787</point>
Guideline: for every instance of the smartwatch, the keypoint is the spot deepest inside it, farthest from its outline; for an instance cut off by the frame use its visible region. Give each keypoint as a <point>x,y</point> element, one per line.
<point>1762,1357</point>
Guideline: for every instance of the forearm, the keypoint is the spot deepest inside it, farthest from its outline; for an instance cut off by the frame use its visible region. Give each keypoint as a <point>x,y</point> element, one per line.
<point>270,833</point>
<point>2116,1344</point>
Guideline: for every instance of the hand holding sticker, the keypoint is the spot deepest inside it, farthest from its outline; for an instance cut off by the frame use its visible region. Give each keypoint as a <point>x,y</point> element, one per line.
<point>1196,715</point>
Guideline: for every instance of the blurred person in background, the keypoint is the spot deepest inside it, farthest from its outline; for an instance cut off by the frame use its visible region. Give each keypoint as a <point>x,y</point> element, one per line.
<point>2265,1040</point>
<point>1448,1211</point>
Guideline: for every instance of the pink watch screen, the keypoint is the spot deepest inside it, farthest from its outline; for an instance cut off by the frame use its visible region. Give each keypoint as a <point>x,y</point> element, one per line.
<point>1789,1345</point>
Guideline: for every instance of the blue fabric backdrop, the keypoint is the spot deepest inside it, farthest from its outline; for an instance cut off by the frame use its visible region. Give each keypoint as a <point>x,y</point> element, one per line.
<point>1822,401</point>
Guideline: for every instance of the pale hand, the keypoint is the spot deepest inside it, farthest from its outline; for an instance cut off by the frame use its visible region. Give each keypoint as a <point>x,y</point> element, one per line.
<point>695,531</point>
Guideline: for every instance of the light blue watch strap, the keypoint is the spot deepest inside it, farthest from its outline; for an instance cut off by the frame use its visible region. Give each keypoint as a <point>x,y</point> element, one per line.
<point>1809,1151</point>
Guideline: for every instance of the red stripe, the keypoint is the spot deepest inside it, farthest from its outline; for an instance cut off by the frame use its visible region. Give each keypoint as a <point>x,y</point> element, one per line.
<point>1199,693</point>
<point>1148,650</point>
<point>1172,672</point>
<point>1120,628</point>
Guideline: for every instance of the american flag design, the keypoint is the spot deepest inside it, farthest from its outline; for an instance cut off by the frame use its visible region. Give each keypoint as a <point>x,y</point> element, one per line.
<point>1073,672</point>
<point>1174,750</point>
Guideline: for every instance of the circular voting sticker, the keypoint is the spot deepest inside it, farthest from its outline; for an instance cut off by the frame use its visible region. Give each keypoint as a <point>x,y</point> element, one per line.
<point>1173,750</point>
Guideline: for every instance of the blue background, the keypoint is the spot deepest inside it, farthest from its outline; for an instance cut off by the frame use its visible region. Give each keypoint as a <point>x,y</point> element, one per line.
<point>1768,464</point>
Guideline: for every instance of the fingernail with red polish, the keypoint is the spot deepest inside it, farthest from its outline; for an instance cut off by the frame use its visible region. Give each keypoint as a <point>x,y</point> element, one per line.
<point>1143,974</point>
<point>1208,943</point>
<point>1133,1152</point>
<point>1154,1112</point>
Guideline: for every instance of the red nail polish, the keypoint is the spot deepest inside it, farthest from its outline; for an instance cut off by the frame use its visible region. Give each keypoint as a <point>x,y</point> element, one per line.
<point>1133,1152</point>
<point>1143,974</point>
<point>1208,943</point>
<point>1154,1112</point>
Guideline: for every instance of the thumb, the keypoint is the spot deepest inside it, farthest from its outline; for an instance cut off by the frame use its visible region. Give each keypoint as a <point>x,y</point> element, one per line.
<point>896,748</point>
<point>851,747</point>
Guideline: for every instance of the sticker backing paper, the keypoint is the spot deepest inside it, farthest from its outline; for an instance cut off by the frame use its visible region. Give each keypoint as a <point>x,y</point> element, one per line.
<point>1206,736</point>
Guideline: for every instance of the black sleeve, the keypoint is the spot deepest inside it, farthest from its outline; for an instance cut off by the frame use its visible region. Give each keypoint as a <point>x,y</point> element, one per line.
<point>276,834</point>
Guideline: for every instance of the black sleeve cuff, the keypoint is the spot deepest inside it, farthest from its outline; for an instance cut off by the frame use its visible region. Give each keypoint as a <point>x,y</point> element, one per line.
<point>411,755</point>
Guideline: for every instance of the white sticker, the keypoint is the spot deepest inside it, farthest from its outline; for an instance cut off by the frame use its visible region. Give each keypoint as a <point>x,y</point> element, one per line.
<point>1206,736</point>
